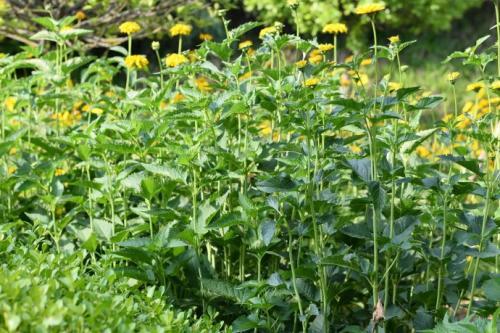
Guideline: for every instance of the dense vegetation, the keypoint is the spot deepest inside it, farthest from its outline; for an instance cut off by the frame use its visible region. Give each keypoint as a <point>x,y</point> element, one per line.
<point>275,187</point>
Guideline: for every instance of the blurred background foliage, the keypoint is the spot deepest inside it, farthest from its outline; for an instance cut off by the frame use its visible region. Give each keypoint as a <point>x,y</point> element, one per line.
<point>440,26</point>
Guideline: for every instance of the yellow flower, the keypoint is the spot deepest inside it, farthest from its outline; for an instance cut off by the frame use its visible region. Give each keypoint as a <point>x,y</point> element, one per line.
<point>467,107</point>
<point>245,76</point>
<point>311,82</point>
<point>202,84</point>
<point>11,169</point>
<point>301,64</point>
<point>369,8</point>
<point>13,151</point>
<point>180,29</point>
<point>495,85</point>
<point>267,31</point>
<point>129,27</point>
<point>335,28</point>
<point>59,172</point>
<point>453,76</point>
<point>393,86</point>
<point>325,47</point>
<point>475,86</point>
<point>344,80</point>
<point>80,15</point>
<point>366,62</point>
<point>394,39</point>
<point>175,59</point>
<point>463,122</point>
<point>206,36</point>
<point>315,57</point>
<point>245,44</point>
<point>348,58</point>
<point>178,97</point>
<point>10,103</point>
<point>362,80</point>
<point>136,61</point>
<point>423,152</point>
<point>355,149</point>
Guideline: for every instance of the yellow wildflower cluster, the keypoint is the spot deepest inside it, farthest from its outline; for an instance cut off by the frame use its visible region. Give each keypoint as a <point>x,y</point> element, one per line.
<point>138,61</point>
<point>267,31</point>
<point>315,57</point>
<point>311,82</point>
<point>180,29</point>
<point>175,59</point>
<point>202,84</point>
<point>245,44</point>
<point>335,28</point>
<point>206,37</point>
<point>67,118</point>
<point>325,47</point>
<point>10,103</point>
<point>129,28</point>
<point>369,8</point>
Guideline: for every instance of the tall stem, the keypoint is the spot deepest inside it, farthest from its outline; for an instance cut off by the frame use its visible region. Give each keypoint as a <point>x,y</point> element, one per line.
<point>497,16</point>
<point>335,48</point>
<point>128,69</point>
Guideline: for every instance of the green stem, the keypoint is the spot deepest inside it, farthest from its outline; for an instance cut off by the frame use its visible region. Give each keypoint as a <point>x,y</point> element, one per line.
<point>497,16</point>
<point>335,48</point>
<point>160,67</point>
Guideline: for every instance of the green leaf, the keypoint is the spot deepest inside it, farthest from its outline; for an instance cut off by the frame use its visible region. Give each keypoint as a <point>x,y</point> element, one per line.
<point>491,289</point>
<point>267,230</point>
<point>281,183</point>
<point>362,167</point>
<point>205,214</point>
<point>227,220</point>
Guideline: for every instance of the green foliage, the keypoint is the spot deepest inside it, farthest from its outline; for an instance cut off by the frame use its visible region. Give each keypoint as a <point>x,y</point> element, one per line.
<point>42,292</point>
<point>413,16</point>
<point>283,196</point>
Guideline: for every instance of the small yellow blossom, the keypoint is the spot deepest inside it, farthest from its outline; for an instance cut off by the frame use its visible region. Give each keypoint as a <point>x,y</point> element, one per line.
<point>348,58</point>
<point>202,84</point>
<point>311,82</point>
<point>453,77</point>
<point>245,76</point>
<point>468,106</point>
<point>178,97</point>
<point>394,39</point>
<point>393,86</point>
<point>80,15</point>
<point>245,44</point>
<point>13,151</point>
<point>129,28</point>
<point>366,62</point>
<point>301,64</point>
<point>175,59</point>
<point>369,8</point>
<point>138,61</point>
<point>11,169</point>
<point>463,122</point>
<point>325,47</point>
<point>475,86</point>
<point>180,29</point>
<point>59,172</point>
<point>267,31</point>
<point>206,36</point>
<point>335,28</point>
<point>315,57</point>
<point>495,85</point>
<point>10,103</point>
<point>423,152</point>
<point>355,149</point>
